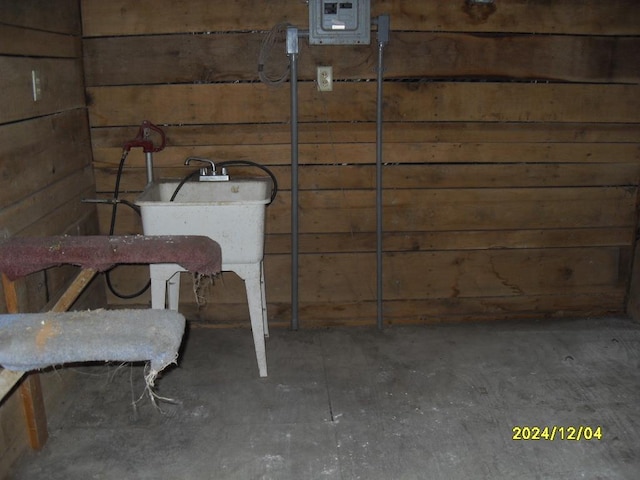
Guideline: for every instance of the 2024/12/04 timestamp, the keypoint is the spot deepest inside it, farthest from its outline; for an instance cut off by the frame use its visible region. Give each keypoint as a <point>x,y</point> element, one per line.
<point>556,432</point>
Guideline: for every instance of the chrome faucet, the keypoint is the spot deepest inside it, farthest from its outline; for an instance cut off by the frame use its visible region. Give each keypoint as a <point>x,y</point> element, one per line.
<point>208,172</point>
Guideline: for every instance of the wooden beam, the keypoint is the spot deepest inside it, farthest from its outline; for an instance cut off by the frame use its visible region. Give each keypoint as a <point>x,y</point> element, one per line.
<point>74,290</point>
<point>30,389</point>
<point>8,380</point>
<point>34,410</point>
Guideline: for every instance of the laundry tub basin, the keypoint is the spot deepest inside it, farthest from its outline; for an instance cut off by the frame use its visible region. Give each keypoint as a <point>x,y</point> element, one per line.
<point>230,212</point>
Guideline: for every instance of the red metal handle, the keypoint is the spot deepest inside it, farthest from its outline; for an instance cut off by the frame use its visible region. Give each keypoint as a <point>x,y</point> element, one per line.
<point>143,141</point>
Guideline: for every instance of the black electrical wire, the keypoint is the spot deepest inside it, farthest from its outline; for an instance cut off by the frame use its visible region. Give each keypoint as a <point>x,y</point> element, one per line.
<point>182,182</point>
<point>112,227</point>
<point>277,35</point>
<point>234,163</point>
<point>116,192</point>
<point>238,163</point>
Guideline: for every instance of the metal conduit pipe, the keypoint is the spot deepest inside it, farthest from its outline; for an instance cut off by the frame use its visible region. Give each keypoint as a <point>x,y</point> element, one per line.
<point>148,159</point>
<point>383,39</point>
<point>292,52</point>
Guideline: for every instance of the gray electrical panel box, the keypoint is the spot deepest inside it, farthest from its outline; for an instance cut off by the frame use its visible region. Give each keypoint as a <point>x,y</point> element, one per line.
<point>339,23</point>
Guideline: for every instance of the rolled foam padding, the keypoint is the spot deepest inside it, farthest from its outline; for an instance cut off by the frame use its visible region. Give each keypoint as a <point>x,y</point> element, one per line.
<point>34,341</point>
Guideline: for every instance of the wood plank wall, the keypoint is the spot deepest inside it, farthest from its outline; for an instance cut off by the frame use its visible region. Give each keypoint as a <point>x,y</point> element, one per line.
<point>511,145</point>
<point>45,151</point>
<point>45,159</point>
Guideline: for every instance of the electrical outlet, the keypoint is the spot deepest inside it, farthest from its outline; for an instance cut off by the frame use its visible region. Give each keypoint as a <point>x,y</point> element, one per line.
<point>36,85</point>
<point>324,78</point>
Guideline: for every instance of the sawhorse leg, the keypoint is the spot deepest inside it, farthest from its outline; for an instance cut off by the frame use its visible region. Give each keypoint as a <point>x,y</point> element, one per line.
<point>31,387</point>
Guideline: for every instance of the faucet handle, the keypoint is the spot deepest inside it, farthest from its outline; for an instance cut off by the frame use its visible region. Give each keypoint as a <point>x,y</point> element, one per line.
<point>203,170</point>
<point>205,175</point>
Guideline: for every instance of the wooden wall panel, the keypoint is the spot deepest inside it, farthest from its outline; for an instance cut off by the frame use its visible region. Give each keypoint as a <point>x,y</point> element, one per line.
<point>21,41</point>
<point>58,16</point>
<point>59,81</point>
<point>353,101</point>
<point>49,155</point>
<point>326,177</point>
<point>440,153</point>
<point>125,17</point>
<point>45,151</point>
<point>512,159</point>
<point>591,134</point>
<point>45,159</point>
<point>231,57</point>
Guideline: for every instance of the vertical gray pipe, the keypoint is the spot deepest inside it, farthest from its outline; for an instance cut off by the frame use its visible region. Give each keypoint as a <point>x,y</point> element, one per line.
<point>380,318</point>
<point>149,163</point>
<point>383,38</point>
<point>292,51</point>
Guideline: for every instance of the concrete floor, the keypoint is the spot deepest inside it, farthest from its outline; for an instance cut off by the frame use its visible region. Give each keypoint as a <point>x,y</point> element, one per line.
<point>429,402</point>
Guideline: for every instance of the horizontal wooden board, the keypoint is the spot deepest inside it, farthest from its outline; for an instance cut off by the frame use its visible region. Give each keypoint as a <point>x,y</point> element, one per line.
<point>457,209</point>
<point>189,58</point>
<point>70,217</point>
<point>332,177</point>
<point>217,313</point>
<point>40,204</point>
<point>62,16</point>
<point>499,102</point>
<point>22,41</point>
<point>451,240</point>
<point>494,273</point>
<point>412,210</point>
<point>61,82</point>
<point>412,240</point>
<point>34,152</point>
<point>355,101</point>
<point>364,132</point>
<point>337,154</point>
<point>129,17</point>
<point>349,278</point>
<point>450,274</point>
<point>429,311</point>
<point>592,17</point>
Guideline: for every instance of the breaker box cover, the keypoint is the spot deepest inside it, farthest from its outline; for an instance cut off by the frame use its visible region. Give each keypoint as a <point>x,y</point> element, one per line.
<point>339,23</point>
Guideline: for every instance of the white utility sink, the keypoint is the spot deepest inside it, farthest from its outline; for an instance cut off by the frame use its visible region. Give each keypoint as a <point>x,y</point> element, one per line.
<point>230,212</point>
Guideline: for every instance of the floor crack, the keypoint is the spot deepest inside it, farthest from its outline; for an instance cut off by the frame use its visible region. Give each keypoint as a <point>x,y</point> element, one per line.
<point>326,383</point>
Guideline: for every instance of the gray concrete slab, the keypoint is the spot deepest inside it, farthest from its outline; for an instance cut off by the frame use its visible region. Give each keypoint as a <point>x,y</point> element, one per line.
<point>422,402</point>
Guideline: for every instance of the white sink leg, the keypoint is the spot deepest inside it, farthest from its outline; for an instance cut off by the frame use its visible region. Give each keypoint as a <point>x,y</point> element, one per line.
<point>158,288</point>
<point>263,293</point>
<point>173,292</point>
<point>165,291</point>
<point>251,273</point>
<point>165,285</point>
